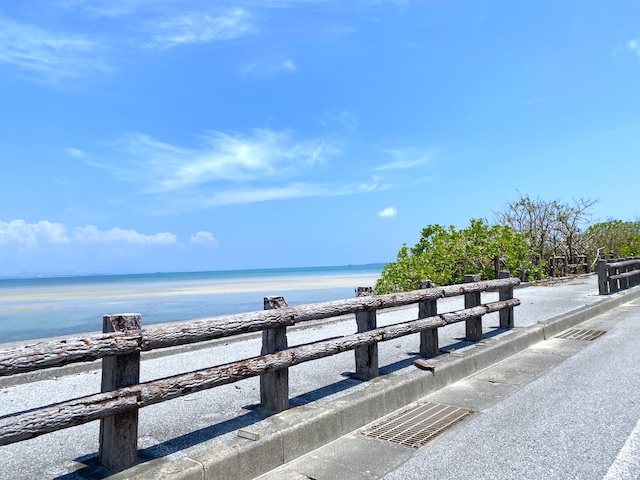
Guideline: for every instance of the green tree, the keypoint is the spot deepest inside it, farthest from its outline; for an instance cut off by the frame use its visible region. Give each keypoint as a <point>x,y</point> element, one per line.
<point>445,254</point>
<point>622,239</point>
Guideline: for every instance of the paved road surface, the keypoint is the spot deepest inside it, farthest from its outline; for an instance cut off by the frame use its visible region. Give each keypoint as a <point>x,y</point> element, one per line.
<point>562,409</point>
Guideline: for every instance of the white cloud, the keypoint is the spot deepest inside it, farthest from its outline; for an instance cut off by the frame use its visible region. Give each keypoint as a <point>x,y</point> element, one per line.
<point>405,158</point>
<point>31,234</point>
<point>199,27</point>
<point>45,55</point>
<point>204,238</point>
<point>74,152</point>
<point>634,46</point>
<point>223,157</point>
<point>91,234</point>
<point>21,232</point>
<point>388,212</point>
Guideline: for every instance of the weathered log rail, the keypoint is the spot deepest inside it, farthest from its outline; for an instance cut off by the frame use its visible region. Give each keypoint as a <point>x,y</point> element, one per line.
<point>122,394</point>
<point>617,274</point>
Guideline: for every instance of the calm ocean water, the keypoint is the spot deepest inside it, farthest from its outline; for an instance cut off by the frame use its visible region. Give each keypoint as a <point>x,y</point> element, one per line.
<point>46,307</point>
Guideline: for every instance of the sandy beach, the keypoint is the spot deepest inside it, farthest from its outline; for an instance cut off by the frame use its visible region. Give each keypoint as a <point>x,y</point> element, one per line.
<point>170,289</point>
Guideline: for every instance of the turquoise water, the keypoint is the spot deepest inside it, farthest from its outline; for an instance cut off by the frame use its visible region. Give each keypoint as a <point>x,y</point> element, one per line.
<point>65,312</point>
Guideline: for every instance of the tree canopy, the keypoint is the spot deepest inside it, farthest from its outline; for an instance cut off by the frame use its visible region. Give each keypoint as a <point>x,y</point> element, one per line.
<point>527,227</point>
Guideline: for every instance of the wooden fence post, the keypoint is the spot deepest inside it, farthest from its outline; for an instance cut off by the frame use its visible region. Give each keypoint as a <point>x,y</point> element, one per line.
<point>505,293</point>
<point>366,355</point>
<point>274,386</point>
<point>613,284</point>
<point>601,270</point>
<point>496,265</point>
<point>624,282</point>
<point>429,346</point>
<point>538,263</point>
<point>565,266</point>
<point>552,267</point>
<point>474,324</point>
<point>118,448</point>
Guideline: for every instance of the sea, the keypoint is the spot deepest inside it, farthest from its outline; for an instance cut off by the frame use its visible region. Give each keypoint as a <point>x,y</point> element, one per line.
<point>36,308</point>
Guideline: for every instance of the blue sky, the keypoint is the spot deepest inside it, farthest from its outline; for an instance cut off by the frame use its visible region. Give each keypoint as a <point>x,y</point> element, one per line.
<point>152,135</point>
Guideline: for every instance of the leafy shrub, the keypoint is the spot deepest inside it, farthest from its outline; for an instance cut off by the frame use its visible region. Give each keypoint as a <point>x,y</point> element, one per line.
<point>445,254</point>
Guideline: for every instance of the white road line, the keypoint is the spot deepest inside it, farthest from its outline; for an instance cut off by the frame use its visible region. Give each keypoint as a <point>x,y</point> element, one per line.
<point>627,463</point>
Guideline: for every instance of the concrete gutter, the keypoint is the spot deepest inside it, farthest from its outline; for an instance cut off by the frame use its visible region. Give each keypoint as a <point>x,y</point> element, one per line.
<point>304,428</point>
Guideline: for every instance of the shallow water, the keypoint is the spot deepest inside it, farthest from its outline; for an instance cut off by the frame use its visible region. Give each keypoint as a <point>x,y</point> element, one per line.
<point>46,307</point>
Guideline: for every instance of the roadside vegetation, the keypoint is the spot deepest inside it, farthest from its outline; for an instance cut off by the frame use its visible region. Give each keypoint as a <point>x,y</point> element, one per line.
<point>525,228</point>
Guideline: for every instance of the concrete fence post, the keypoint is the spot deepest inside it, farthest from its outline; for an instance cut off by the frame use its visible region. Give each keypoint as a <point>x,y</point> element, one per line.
<point>538,263</point>
<point>429,346</point>
<point>274,386</point>
<point>506,293</point>
<point>552,267</point>
<point>565,266</point>
<point>118,445</point>
<point>473,324</point>
<point>366,355</point>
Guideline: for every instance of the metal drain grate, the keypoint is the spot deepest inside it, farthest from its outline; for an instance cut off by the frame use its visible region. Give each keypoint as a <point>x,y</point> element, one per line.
<point>416,426</point>
<point>577,334</point>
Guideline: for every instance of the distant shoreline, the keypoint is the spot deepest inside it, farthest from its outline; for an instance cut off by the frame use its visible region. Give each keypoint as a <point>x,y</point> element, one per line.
<point>39,276</point>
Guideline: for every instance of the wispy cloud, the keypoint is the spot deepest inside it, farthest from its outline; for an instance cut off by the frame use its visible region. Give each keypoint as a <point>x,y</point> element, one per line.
<point>634,46</point>
<point>267,68</point>
<point>229,169</point>
<point>286,192</point>
<point>112,8</point>
<point>199,27</point>
<point>405,158</point>
<point>74,152</point>
<point>222,157</point>
<point>388,212</point>
<point>289,65</point>
<point>343,117</point>
<point>32,234</point>
<point>47,56</point>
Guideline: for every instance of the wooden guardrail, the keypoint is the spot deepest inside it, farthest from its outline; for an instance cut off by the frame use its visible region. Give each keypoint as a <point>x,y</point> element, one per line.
<point>617,274</point>
<point>123,339</point>
<point>568,265</point>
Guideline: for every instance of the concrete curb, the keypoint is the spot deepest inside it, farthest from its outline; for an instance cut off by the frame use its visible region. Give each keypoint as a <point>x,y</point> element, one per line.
<point>302,429</point>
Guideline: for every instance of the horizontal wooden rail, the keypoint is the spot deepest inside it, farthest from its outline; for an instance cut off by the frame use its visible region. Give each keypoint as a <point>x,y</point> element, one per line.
<point>58,353</point>
<point>33,423</point>
<point>620,276</point>
<point>623,263</point>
